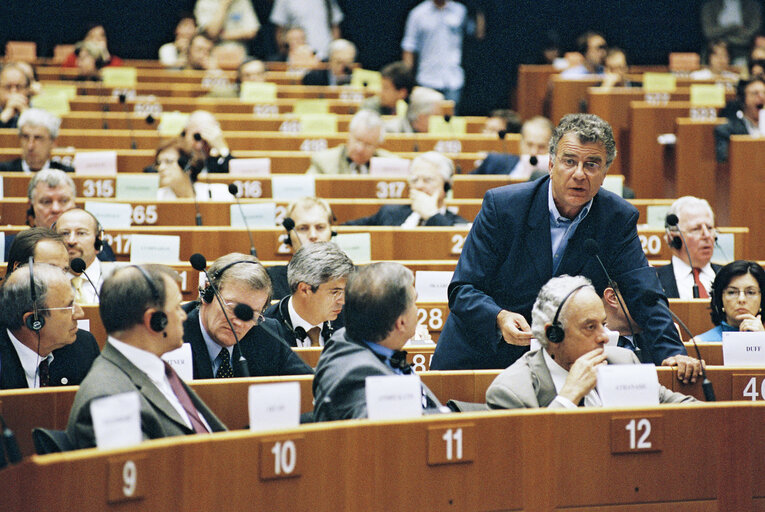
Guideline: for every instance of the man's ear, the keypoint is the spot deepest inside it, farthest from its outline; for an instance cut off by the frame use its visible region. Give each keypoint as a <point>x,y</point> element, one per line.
<point>609,295</point>
<point>303,288</point>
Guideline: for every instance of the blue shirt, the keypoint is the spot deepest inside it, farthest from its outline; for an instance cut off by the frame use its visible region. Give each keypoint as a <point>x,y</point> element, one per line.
<point>561,228</point>
<point>213,349</point>
<point>716,333</point>
<point>384,352</point>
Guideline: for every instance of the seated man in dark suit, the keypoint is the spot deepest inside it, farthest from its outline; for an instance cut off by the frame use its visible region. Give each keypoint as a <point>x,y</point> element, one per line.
<point>40,344</point>
<point>14,94</point>
<point>750,95</point>
<point>342,54</point>
<point>141,311</point>
<point>696,222</point>
<point>381,316</point>
<point>38,130</point>
<point>535,142</point>
<point>568,321</point>
<point>239,279</point>
<point>317,275</point>
<point>430,178</point>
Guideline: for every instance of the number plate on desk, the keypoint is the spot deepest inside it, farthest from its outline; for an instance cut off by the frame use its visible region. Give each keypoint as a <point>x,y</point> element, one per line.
<point>281,458</point>
<point>636,434</point>
<point>748,386</point>
<point>451,445</point>
<point>126,478</point>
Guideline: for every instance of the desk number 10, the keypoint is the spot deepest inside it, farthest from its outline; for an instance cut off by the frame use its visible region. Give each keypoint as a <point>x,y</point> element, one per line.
<point>453,440</point>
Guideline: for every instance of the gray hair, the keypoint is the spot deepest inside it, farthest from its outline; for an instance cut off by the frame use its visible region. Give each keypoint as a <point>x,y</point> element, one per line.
<point>340,45</point>
<point>549,299</point>
<point>16,293</point>
<point>589,128</point>
<point>40,117</point>
<point>541,122</point>
<point>443,163</point>
<point>366,121</point>
<point>51,177</point>
<point>315,264</point>
<point>423,100</point>
<point>684,202</point>
<point>254,276</point>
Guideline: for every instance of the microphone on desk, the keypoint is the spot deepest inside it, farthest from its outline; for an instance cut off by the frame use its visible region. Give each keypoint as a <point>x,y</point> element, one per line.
<point>448,119</point>
<point>9,445</point>
<point>199,263</point>
<point>706,385</point>
<point>129,120</point>
<point>78,265</point>
<point>191,172</point>
<point>671,223</point>
<point>233,190</point>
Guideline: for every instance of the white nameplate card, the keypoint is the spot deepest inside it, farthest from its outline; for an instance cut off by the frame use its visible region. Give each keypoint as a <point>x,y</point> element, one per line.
<point>724,248</point>
<point>155,249</point>
<point>137,186</point>
<point>111,215</point>
<point>292,187</point>
<point>95,163</point>
<point>172,124</point>
<point>358,246</point>
<point>389,166</point>
<point>431,285</point>
<point>743,348</point>
<point>257,214</point>
<point>2,244</point>
<point>391,397</point>
<point>249,166</point>
<point>84,324</point>
<point>181,362</point>
<point>274,406</point>
<point>2,194</point>
<point>613,338</point>
<point>623,385</point>
<point>656,215</point>
<point>117,420</point>
<point>761,121</point>
<point>614,184</point>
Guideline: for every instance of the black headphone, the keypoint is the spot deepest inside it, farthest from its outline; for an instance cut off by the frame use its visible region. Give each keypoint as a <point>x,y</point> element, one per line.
<point>34,322</point>
<point>555,332</point>
<point>299,332</point>
<point>158,320</point>
<point>447,187</point>
<point>207,293</point>
<point>676,242</point>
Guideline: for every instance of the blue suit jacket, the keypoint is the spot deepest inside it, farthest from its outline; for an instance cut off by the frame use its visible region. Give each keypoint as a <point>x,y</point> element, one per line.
<point>396,214</point>
<point>507,258</point>
<point>497,163</point>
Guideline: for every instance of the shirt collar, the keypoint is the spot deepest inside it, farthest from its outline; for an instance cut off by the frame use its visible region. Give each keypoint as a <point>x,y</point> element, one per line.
<point>25,166</point>
<point>380,350</point>
<point>213,349</point>
<point>29,359</point>
<point>682,269</point>
<point>555,215</point>
<point>299,321</point>
<point>144,360</point>
<point>557,372</point>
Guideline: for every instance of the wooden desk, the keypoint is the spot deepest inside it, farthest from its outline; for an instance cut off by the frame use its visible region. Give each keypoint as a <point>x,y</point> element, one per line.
<point>747,188</point>
<point>569,96</point>
<point>531,89</point>
<point>696,169</point>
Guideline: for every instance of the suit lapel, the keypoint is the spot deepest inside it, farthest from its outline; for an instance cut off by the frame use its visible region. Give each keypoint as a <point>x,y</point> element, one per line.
<point>192,334</point>
<point>538,241</point>
<point>543,384</point>
<point>11,373</point>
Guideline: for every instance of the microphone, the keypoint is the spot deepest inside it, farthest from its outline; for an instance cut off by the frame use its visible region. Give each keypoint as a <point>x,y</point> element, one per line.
<point>233,190</point>
<point>78,265</point>
<point>128,119</point>
<point>448,119</point>
<point>591,247</point>
<point>10,444</point>
<point>199,263</point>
<point>706,384</point>
<point>533,160</point>
<point>244,312</point>
<point>289,225</point>
<point>672,221</point>
<point>188,171</point>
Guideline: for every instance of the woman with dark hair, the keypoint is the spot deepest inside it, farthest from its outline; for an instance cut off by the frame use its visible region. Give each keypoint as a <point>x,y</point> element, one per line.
<point>736,299</point>
<point>95,35</point>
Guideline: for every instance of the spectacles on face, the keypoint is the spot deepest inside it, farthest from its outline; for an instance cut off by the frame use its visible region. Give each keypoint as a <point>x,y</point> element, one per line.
<point>700,231</point>
<point>257,317</point>
<point>70,308</point>
<point>424,179</point>
<point>734,293</point>
<point>589,167</point>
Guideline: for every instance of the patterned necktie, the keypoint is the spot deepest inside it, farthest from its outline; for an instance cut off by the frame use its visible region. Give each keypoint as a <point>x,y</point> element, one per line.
<point>185,400</point>
<point>79,295</point>
<point>313,335</point>
<point>225,371</point>
<point>44,373</point>
<point>702,291</point>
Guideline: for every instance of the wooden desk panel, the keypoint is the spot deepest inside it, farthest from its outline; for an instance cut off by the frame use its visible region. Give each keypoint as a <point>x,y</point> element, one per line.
<point>531,89</point>
<point>696,169</point>
<point>747,188</point>
<point>569,96</point>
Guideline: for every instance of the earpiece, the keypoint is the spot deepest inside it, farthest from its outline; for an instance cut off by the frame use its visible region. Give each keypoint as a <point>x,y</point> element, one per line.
<point>207,294</point>
<point>555,332</point>
<point>35,322</point>
<point>447,187</point>
<point>158,320</point>
<point>675,242</point>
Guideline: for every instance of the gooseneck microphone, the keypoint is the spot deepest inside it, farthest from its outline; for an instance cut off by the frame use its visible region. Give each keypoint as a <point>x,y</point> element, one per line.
<point>189,171</point>
<point>199,263</point>
<point>9,445</point>
<point>234,190</point>
<point>289,225</point>
<point>78,265</point>
<point>672,221</point>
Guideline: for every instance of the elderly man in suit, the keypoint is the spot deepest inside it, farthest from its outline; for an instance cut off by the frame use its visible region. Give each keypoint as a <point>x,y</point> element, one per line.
<point>535,142</point>
<point>381,316</point>
<point>141,311</point>
<point>527,233</point>
<point>568,320</point>
<point>38,130</point>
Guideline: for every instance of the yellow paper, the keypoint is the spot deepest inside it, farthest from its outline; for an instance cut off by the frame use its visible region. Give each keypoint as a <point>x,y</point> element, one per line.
<point>318,124</point>
<point>69,90</point>
<point>373,79</point>
<point>401,108</point>
<point>172,123</point>
<point>119,77</point>
<point>311,107</point>
<point>56,103</point>
<point>437,125</point>
<point>258,92</point>
<point>659,82</point>
<point>707,95</point>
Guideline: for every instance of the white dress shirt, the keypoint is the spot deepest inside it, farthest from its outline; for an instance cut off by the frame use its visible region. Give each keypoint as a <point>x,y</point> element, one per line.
<point>94,273</point>
<point>684,277</point>
<point>559,375</point>
<point>30,361</point>
<point>298,321</point>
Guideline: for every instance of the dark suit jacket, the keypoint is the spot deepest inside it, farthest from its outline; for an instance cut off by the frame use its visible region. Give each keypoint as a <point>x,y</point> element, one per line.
<point>113,373</point>
<point>734,126</point>
<point>507,258</point>
<point>316,77</point>
<point>15,166</point>
<point>280,312</point>
<point>278,275</point>
<point>396,214</point>
<point>266,353</point>
<point>497,163</point>
<point>666,275</point>
<point>69,367</point>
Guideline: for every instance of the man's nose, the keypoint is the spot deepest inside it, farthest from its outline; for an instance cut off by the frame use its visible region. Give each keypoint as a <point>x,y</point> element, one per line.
<point>78,313</point>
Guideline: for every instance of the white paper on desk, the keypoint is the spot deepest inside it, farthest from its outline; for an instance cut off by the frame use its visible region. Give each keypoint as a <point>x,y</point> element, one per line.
<point>180,360</point>
<point>614,184</point>
<point>743,348</point>
<point>621,385</point>
<point>249,166</point>
<point>155,248</point>
<point>95,163</point>
<point>133,187</point>
<point>2,194</point>
<point>431,285</point>
<point>84,324</point>
<point>724,248</point>
<point>613,338</point>
<point>358,246</point>
<point>2,244</point>
<point>656,215</point>
<point>117,420</point>
<point>292,187</point>
<point>258,214</point>
<point>111,215</point>
<point>761,121</point>
<point>393,397</point>
<point>389,166</point>
<point>274,406</point>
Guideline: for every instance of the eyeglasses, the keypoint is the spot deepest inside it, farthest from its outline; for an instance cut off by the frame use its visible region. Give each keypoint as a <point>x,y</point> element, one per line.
<point>700,231</point>
<point>589,167</point>
<point>734,293</point>
<point>426,180</point>
<point>257,318</point>
<point>70,308</point>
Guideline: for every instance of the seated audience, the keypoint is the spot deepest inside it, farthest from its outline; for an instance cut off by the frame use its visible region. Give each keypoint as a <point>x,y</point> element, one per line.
<point>43,244</point>
<point>141,311</point>
<point>200,54</point>
<point>204,136</point>
<point>734,21</point>
<point>342,54</point>
<point>751,97</point>
<point>381,316</point>
<point>535,142</point>
<point>320,21</point>
<point>616,70</point>
<point>430,178</point>
<point>288,40</point>
<point>240,279</point>
<point>40,344</point>
<point>91,58</point>
<point>593,47</point>
<point>175,53</point>
<point>718,61</point>
<point>568,321</point>
<point>178,173</point>
<point>95,35</point>
<point>14,94</point>
<point>317,276</point>
<point>501,122</point>
<point>365,135</point>
<point>423,103</point>
<point>38,130</point>
<point>736,299</point>
<point>397,82</point>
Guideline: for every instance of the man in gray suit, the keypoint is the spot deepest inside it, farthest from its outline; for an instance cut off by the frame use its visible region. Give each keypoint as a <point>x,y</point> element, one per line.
<point>381,317</point>
<point>141,311</point>
<point>568,319</point>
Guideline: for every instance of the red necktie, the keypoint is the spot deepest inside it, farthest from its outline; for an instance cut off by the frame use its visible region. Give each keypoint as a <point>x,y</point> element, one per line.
<point>185,400</point>
<point>702,291</point>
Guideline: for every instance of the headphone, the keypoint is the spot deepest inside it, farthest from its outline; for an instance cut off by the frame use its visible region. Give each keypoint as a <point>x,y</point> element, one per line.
<point>208,293</point>
<point>158,320</point>
<point>35,322</point>
<point>299,332</point>
<point>555,332</point>
<point>447,187</point>
<point>676,242</point>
